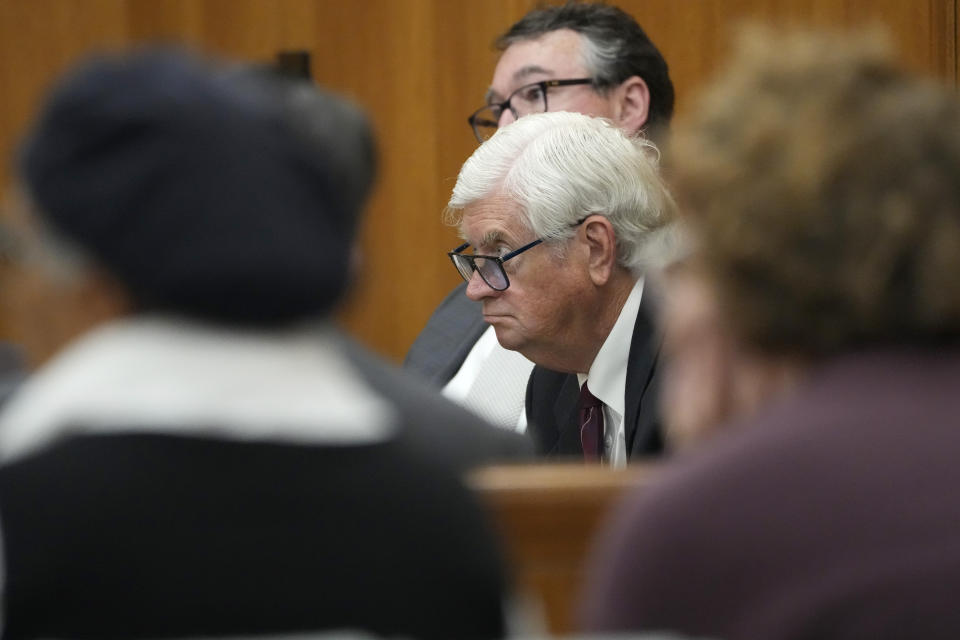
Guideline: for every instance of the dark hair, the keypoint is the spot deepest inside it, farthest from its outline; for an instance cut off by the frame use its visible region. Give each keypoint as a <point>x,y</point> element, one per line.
<point>618,49</point>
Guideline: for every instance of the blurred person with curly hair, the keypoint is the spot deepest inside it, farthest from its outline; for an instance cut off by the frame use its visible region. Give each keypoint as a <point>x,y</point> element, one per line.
<point>822,184</point>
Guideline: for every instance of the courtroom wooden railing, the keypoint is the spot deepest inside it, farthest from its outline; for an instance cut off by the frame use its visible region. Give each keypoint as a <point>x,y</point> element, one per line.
<point>548,515</point>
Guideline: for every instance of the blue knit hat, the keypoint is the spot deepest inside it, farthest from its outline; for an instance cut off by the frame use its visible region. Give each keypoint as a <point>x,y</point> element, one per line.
<point>198,188</point>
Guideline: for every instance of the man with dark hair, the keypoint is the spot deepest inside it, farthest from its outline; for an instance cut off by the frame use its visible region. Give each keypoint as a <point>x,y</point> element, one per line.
<point>200,454</point>
<point>582,57</point>
<point>822,182</point>
<point>613,48</point>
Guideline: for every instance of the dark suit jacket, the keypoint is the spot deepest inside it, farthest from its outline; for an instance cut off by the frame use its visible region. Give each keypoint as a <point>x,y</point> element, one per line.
<point>552,399</point>
<point>448,337</point>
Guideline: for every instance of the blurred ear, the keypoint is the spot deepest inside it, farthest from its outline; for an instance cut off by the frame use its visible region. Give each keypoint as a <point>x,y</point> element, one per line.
<point>600,240</point>
<point>49,311</point>
<point>100,298</point>
<point>633,104</point>
<point>357,259</point>
<point>759,378</point>
<point>88,300</point>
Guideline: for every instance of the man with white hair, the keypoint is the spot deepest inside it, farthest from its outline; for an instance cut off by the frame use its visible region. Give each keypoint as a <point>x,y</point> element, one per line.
<point>575,306</point>
<point>586,57</point>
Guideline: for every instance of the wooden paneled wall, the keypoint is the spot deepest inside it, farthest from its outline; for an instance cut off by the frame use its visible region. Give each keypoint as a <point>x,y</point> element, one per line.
<point>419,67</point>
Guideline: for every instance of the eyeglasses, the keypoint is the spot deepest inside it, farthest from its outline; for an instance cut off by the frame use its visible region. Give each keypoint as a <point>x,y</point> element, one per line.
<point>530,98</point>
<point>491,268</point>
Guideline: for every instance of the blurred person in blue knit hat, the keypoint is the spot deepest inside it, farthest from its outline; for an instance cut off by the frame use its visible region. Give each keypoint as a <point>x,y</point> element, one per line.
<point>201,452</point>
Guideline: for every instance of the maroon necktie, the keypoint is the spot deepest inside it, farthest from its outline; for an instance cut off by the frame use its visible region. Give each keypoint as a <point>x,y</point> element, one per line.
<point>590,415</point>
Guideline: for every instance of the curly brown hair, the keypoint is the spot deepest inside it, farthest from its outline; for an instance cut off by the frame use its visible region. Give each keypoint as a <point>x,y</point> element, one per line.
<point>824,185</point>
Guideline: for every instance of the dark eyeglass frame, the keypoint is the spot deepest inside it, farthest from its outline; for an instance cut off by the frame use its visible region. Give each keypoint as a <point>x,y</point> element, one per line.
<point>470,260</point>
<point>474,119</point>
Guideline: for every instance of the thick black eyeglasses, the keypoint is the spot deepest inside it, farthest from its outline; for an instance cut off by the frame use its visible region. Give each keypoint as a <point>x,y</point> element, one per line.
<point>530,98</point>
<point>491,267</point>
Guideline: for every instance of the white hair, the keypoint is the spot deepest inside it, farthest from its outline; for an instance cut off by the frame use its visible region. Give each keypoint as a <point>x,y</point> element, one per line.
<point>560,167</point>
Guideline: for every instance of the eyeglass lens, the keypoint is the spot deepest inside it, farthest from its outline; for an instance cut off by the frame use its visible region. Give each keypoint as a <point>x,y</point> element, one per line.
<point>529,99</point>
<point>490,270</point>
<point>524,101</point>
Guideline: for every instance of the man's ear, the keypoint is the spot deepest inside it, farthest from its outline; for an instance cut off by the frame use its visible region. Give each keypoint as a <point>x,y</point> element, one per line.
<point>633,104</point>
<point>600,239</point>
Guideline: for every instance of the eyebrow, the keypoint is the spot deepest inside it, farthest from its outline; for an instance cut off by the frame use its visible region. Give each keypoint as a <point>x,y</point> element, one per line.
<point>519,75</point>
<point>531,69</point>
<point>490,238</point>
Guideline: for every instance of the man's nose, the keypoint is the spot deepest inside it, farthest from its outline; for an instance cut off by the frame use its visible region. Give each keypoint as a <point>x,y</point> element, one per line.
<point>477,289</point>
<point>506,118</point>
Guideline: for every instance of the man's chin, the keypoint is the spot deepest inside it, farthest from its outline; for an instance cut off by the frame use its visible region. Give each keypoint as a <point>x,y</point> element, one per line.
<point>508,338</point>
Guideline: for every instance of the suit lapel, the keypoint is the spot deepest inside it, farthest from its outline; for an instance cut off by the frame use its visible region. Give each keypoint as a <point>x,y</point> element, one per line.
<point>640,401</point>
<point>564,410</point>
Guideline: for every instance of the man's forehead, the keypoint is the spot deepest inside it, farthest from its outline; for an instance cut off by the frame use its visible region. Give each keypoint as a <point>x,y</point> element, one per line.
<point>493,218</point>
<point>520,77</point>
<point>553,55</point>
<point>494,207</point>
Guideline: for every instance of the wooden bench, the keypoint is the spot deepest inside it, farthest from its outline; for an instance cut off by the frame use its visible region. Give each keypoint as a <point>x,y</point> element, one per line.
<point>548,515</point>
